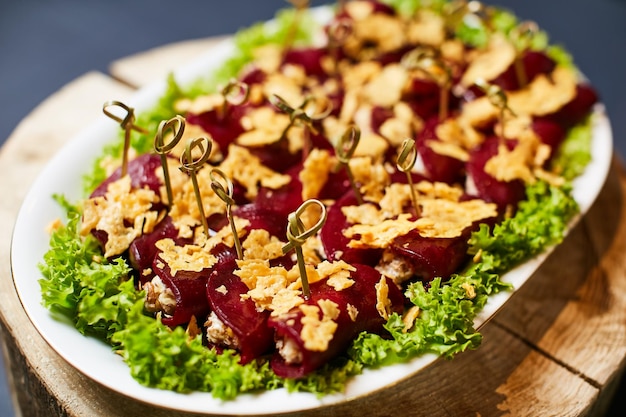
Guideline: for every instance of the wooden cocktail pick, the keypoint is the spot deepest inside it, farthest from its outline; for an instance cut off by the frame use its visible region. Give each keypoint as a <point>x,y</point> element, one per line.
<point>127,122</point>
<point>405,163</point>
<point>427,61</point>
<point>521,36</point>
<point>471,12</point>
<point>191,166</point>
<point>297,234</point>
<point>300,6</point>
<point>223,188</point>
<point>499,99</point>
<point>338,32</point>
<point>311,110</point>
<point>234,93</point>
<point>177,126</point>
<point>344,150</point>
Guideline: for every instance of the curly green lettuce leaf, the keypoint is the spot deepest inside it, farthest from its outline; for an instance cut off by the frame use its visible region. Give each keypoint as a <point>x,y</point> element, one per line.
<point>476,33</point>
<point>445,325</point>
<point>540,222</point>
<point>561,56</point>
<point>169,359</point>
<point>82,285</point>
<point>574,154</point>
<point>410,7</point>
<point>332,377</point>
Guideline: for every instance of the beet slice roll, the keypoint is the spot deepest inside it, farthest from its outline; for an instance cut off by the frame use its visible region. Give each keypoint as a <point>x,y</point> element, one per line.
<point>578,108</point>
<point>142,172</point>
<point>437,167</point>
<point>224,129</point>
<point>185,291</point>
<point>336,244</point>
<point>309,58</point>
<point>353,310</point>
<point>488,188</point>
<point>142,250</point>
<point>427,257</point>
<point>534,63</point>
<point>235,322</point>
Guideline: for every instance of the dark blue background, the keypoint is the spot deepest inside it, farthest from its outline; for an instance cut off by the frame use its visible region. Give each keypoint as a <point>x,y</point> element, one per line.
<point>44,44</point>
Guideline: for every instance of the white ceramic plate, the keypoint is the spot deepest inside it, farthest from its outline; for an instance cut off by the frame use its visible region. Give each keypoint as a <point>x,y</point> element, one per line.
<point>96,360</point>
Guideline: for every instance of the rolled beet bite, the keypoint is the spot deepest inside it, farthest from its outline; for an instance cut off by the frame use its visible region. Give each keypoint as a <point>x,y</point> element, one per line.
<point>142,173</point>
<point>322,328</point>
<point>142,250</point>
<point>485,185</point>
<point>437,166</point>
<point>234,321</point>
<point>122,209</point>
<point>336,244</point>
<point>178,290</point>
<point>413,256</point>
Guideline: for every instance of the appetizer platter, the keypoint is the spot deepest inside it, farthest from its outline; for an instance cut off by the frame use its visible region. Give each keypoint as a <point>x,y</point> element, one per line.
<point>324,221</point>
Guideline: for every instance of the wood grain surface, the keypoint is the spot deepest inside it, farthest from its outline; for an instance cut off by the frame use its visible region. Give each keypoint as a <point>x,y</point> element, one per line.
<point>556,348</point>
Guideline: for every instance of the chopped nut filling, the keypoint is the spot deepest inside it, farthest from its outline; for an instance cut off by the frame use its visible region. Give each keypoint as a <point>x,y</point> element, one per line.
<point>219,333</point>
<point>159,298</point>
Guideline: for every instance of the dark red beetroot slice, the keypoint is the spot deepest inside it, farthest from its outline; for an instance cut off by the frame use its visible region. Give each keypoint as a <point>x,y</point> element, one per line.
<point>285,199</point>
<point>308,58</point>
<point>394,56</point>
<point>576,110</point>
<point>534,62</point>
<point>441,168</point>
<point>263,218</point>
<point>336,100</point>
<point>320,141</point>
<point>337,185</point>
<point>273,221</point>
<point>288,198</point>
<point>550,132</point>
<point>361,295</point>
<point>423,97</point>
<point>501,193</point>
<point>142,250</point>
<point>431,257</point>
<point>142,173</point>
<point>336,244</point>
<point>379,116</point>
<point>224,290</point>
<point>400,177</point>
<point>223,129</point>
<point>189,288</point>
<point>276,156</point>
<point>253,76</point>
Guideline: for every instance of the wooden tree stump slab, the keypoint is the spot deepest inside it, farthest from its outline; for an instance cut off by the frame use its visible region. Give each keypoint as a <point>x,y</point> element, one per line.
<point>556,348</point>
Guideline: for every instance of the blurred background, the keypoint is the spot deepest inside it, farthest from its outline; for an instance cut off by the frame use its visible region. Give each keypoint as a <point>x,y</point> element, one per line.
<point>44,44</point>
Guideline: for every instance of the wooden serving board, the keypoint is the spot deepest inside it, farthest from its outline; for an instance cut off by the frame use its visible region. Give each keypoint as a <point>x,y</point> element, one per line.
<point>556,348</point>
